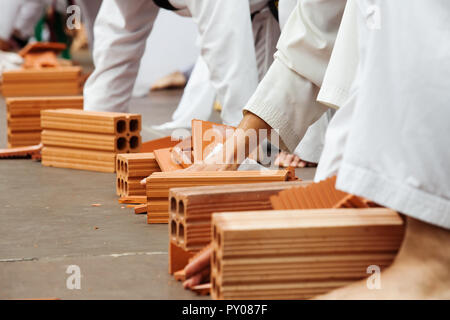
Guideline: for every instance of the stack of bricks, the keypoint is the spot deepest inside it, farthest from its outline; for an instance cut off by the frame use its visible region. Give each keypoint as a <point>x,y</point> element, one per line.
<point>24,117</point>
<point>88,140</point>
<point>58,81</point>
<point>159,183</point>
<point>298,254</point>
<point>131,169</point>
<point>191,208</point>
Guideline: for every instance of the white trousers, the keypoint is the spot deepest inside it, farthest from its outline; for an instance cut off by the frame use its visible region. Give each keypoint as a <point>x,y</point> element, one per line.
<point>199,95</point>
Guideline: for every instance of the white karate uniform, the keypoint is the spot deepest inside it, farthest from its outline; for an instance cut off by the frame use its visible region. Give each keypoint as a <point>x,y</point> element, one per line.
<point>197,99</point>
<point>397,152</point>
<point>28,16</point>
<point>199,95</point>
<point>10,9</point>
<point>224,26</point>
<point>286,97</point>
<point>89,11</point>
<point>336,90</point>
<point>388,141</point>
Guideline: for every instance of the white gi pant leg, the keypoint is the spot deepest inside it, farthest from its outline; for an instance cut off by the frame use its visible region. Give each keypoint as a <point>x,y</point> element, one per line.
<point>197,100</point>
<point>120,31</point>
<point>89,11</point>
<point>10,9</point>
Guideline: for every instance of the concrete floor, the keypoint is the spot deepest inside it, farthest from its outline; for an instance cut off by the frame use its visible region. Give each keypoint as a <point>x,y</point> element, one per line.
<point>47,222</point>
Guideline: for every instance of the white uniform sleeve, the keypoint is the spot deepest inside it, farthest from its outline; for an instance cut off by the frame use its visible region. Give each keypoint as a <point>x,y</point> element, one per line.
<point>120,32</point>
<point>227,47</point>
<point>286,97</point>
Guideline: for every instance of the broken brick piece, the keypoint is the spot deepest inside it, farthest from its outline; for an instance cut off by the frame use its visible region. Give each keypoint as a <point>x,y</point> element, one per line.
<point>206,135</point>
<point>161,143</point>
<point>202,289</point>
<point>180,275</point>
<point>178,258</point>
<point>140,209</point>
<point>319,195</point>
<point>24,117</point>
<point>166,161</point>
<point>36,47</point>
<point>134,199</point>
<point>22,152</point>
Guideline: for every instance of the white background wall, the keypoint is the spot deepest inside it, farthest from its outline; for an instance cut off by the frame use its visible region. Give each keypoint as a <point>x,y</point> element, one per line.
<point>170,47</point>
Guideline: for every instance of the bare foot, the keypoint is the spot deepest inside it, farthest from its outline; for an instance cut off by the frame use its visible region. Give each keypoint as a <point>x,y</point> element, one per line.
<point>285,159</point>
<point>171,81</point>
<point>421,269</point>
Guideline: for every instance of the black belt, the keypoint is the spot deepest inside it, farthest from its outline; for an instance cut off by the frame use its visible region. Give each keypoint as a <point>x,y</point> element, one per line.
<point>273,6</point>
<point>165,4</point>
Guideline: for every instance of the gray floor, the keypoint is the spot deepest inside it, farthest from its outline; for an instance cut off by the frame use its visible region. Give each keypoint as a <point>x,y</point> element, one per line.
<point>47,223</point>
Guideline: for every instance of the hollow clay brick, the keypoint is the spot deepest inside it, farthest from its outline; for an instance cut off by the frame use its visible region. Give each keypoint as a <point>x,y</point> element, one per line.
<point>136,165</point>
<point>81,140</point>
<point>89,140</point>
<point>23,114</point>
<point>159,183</point>
<point>40,60</point>
<point>85,121</point>
<point>199,203</point>
<point>78,159</point>
<point>131,168</point>
<point>297,254</point>
<point>21,139</point>
<point>23,124</point>
<point>57,81</point>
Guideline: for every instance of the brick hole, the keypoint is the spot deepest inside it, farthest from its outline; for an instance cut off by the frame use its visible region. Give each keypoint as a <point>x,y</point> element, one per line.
<point>134,142</point>
<point>181,208</point>
<point>121,143</point>
<point>173,229</point>
<point>181,232</point>
<point>214,258</point>
<point>173,204</point>
<point>121,126</point>
<point>219,240</point>
<point>134,125</point>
